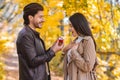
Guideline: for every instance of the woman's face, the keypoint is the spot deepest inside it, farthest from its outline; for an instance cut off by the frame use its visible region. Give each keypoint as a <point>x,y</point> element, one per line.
<point>72,30</point>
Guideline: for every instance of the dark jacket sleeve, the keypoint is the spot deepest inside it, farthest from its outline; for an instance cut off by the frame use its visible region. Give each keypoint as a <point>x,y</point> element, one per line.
<point>29,52</point>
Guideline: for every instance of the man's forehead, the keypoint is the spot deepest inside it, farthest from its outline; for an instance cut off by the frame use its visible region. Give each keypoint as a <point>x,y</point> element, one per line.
<point>40,13</point>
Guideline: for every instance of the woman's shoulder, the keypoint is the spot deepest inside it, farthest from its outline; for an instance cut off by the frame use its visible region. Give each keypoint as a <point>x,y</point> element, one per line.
<point>87,37</point>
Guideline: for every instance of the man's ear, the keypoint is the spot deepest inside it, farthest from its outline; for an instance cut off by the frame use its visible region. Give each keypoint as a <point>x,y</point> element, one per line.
<point>30,17</point>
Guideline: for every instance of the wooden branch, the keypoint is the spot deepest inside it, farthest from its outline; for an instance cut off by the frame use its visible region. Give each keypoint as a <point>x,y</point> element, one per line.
<point>112,14</point>
<point>2,4</point>
<point>106,53</point>
<point>9,18</point>
<point>99,11</point>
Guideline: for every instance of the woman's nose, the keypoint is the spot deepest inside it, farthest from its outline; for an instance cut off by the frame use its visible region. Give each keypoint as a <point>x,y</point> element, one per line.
<point>70,29</point>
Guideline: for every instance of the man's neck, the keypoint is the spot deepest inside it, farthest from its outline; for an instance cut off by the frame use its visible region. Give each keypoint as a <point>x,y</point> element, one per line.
<point>31,26</point>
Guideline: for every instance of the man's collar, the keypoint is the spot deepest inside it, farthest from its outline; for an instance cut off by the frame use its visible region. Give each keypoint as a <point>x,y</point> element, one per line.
<point>35,32</point>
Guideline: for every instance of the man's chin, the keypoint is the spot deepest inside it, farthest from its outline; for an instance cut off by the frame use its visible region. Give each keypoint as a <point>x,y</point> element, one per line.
<point>39,27</point>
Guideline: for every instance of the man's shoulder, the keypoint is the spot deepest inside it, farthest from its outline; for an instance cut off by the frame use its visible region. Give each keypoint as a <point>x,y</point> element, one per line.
<point>24,32</point>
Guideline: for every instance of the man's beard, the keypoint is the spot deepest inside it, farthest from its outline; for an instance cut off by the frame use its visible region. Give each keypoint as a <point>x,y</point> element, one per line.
<point>37,25</point>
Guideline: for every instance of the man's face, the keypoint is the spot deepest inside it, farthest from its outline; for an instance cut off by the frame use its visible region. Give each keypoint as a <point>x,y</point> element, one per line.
<point>38,19</point>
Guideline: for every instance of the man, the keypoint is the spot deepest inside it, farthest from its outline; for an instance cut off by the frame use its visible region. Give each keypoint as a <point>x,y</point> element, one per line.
<point>33,58</point>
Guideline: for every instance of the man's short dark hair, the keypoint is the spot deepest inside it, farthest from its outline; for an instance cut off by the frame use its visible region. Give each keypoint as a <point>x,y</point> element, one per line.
<point>31,9</point>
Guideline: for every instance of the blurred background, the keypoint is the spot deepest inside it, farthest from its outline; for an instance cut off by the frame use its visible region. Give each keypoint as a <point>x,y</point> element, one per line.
<point>104,20</point>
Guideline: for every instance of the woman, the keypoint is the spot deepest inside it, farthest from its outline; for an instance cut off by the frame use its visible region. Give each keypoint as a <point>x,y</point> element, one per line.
<point>80,55</point>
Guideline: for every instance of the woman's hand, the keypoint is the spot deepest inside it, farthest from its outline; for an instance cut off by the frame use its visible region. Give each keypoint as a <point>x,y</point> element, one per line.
<point>69,46</point>
<point>74,46</point>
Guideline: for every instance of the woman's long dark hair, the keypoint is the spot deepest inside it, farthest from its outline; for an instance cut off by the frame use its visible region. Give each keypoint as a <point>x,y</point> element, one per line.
<point>81,25</point>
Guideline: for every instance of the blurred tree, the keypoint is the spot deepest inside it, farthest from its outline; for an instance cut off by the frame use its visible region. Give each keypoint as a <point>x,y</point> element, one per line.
<point>2,48</point>
<point>7,14</point>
